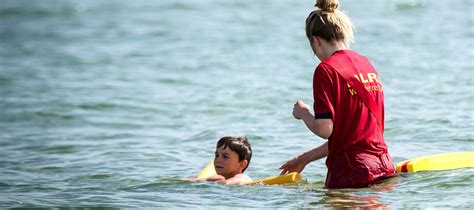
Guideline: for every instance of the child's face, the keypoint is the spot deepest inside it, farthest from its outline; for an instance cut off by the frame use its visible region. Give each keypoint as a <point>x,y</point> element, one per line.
<point>227,163</point>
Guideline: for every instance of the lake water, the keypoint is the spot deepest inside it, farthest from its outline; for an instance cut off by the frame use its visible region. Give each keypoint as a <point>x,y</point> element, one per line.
<point>111,103</point>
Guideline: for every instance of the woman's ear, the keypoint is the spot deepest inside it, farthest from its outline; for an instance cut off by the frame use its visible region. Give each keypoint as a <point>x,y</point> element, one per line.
<point>316,40</point>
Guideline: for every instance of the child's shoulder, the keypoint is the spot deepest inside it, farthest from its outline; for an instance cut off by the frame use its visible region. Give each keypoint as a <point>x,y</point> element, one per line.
<point>240,179</point>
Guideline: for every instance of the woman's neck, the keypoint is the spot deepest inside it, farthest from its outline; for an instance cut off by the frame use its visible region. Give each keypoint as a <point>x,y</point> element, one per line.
<point>331,48</point>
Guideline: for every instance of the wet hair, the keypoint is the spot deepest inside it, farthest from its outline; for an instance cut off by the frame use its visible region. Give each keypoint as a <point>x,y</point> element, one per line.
<point>329,23</point>
<point>238,144</point>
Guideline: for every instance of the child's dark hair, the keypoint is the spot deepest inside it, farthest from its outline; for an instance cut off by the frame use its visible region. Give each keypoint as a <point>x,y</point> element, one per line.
<point>238,144</point>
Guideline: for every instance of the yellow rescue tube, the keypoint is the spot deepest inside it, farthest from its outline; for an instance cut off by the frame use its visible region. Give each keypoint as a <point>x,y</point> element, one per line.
<point>282,179</point>
<point>444,161</point>
<point>209,170</point>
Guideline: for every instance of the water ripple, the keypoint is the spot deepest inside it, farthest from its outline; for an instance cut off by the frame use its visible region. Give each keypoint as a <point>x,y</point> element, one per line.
<point>110,104</point>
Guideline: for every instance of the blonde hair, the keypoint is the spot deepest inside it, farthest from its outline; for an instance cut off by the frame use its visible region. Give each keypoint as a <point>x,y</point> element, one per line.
<point>329,23</point>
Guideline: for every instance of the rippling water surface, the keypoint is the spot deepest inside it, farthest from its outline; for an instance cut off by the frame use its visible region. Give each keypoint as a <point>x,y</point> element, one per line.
<point>111,103</point>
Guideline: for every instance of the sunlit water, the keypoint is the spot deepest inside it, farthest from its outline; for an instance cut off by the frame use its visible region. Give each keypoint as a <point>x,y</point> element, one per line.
<point>111,103</point>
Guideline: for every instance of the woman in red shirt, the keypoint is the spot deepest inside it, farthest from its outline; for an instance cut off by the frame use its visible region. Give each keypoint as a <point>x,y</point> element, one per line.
<point>348,106</point>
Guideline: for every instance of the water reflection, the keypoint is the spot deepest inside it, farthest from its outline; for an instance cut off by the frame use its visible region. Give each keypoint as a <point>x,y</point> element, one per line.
<point>372,197</point>
<point>345,199</point>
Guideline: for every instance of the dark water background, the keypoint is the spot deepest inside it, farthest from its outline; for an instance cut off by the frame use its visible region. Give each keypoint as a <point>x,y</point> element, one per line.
<point>111,103</point>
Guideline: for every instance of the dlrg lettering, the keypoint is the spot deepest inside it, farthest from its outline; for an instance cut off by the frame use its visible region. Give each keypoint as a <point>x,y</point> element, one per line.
<point>367,78</point>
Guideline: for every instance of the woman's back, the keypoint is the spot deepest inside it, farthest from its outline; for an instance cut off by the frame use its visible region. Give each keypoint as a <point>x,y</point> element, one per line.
<point>356,145</point>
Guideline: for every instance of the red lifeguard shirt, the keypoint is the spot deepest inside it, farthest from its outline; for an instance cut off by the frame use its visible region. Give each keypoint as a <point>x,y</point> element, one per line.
<point>357,154</point>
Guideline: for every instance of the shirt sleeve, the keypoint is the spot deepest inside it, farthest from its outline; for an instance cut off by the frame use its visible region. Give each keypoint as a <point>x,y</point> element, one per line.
<point>323,94</point>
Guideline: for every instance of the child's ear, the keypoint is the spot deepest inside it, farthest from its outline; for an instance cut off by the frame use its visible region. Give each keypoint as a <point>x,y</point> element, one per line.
<point>243,164</point>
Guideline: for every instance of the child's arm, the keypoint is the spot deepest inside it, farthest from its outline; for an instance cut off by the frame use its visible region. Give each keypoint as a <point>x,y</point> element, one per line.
<point>216,178</point>
<point>237,180</point>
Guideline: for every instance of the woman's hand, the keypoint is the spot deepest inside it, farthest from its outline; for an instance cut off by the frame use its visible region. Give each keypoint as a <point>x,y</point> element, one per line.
<point>296,164</point>
<point>300,109</point>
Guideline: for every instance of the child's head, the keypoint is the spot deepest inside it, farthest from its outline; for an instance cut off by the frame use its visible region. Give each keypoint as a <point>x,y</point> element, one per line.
<point>233,154</point>
<point>329,23</point>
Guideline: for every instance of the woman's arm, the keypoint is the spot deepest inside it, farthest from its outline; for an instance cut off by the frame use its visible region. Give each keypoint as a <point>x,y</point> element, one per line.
<point>298,163</point>
<point>315,154</point>
<point>321,127</point>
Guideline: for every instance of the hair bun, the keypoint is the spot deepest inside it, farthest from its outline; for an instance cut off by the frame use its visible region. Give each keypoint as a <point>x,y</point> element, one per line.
<point>327,5</point>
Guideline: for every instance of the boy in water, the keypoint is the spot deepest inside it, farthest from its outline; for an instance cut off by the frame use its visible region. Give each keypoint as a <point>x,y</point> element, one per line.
<point>232,157</point>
